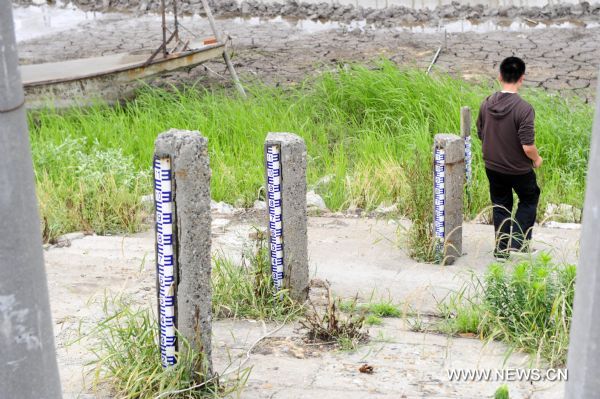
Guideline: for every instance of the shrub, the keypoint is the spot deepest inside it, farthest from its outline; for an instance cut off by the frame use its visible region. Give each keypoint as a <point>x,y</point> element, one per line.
<point>529,306</point>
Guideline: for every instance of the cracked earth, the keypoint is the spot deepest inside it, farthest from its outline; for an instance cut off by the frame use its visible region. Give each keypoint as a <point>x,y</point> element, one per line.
<point>280,51</point>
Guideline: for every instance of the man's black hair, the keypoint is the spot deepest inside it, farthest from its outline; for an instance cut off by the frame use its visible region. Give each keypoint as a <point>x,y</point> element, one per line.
<point>511,69</point>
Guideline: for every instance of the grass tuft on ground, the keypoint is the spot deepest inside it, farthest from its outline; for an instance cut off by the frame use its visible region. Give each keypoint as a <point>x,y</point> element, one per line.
<point>369,131</point>
<point>245,289</point>
<point>127,359</point>
<point>528,305</point>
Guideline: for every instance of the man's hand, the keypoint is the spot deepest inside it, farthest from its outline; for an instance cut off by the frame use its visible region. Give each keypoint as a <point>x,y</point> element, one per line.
<point>532,153</point>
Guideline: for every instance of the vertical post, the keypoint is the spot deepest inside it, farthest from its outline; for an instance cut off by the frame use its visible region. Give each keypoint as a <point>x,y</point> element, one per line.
<point>449,175</point>
<point>285,161</point>
<point>584,349</point>
<point>183,221</point>
<point>164,27</point>
<point>228,62</point>
<point>465,131</point>
<point>28,368</point>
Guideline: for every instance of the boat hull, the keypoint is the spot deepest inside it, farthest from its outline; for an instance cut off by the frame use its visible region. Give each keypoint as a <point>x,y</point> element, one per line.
<point>102,79</point>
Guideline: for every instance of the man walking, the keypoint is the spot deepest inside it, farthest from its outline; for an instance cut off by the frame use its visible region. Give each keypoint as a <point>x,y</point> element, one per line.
<point>505,126</point>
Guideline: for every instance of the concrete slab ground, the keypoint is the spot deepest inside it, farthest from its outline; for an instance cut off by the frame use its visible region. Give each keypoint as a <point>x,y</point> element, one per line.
<point>356,256</point>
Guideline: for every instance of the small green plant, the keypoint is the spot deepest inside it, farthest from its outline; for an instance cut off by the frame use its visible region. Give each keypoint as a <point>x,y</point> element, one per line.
<point>373,311</point>
<point>127,358</point>
<point>245,290</point>
<point>348,305</point>
<point>373,320</point>
<point>502,392</point>
<point>382,309</point>
<point>527,305</point>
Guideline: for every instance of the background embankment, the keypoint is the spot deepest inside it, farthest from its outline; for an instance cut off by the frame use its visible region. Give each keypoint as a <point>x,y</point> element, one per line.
<point>388,13</point>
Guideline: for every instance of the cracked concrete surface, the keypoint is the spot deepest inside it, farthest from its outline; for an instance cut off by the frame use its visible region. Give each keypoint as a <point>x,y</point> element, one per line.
<point>357,256</point>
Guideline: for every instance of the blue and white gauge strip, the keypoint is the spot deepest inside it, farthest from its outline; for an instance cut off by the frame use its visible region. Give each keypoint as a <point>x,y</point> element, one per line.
<point>275,222</point>
<point>439,199</point>
<point>165,258</point>
<point>468,159</point>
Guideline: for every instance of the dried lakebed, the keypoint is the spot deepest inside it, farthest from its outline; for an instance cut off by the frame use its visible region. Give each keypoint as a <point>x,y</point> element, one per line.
<point>562,57</point>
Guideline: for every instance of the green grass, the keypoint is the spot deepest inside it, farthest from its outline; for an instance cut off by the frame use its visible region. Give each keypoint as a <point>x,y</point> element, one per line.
<point>127,359</point>
<point>370,130</point>
<point>502,392</point>
<point>374,311</point>
<point>245,290</point>
<point>528,305</point>
<point>373,320</point>
<point>383,309</point>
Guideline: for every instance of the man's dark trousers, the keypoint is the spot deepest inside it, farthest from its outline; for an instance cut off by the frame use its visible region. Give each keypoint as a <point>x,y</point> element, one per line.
<point>501,194</point>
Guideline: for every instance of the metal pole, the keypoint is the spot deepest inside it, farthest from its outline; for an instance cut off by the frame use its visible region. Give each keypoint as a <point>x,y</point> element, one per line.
<point>584,349</point>
<point>176,22</point>
<point>435,57</point>
<point>28,368</point>
<point>164,27</point>
<point>234,75</point>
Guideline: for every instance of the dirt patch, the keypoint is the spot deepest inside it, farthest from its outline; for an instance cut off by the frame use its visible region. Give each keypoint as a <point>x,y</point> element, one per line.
<point>295,347</point>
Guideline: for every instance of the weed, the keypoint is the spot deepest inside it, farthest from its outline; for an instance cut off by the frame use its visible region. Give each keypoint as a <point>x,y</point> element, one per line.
<point>528,306</point>
<point>128,359</point>
<point>333,327</point>
<point>370,129</point>
<point>98,190</point>
<point>246,290</point>
<point>382,309</point>
<point>502,392</point>
<point>373,311</point>
<point>373,320</point>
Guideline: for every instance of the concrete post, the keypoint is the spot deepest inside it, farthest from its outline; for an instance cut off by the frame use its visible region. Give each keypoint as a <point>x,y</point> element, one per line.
<point>182,181</point>
<point>449,177</point>
<point>28,368</point>
<point>465,131</point>
<point>584,349</point>
<point>285,161</point>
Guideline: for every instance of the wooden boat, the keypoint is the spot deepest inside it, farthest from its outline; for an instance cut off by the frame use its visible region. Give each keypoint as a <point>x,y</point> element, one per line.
<point>110,77</point>
<point>113,77</point>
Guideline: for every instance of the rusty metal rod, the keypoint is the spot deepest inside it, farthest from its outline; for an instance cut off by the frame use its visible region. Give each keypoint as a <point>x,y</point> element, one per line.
<point>164,31</point>
<point>176,23</point>
<point>232,72</point>
<point>162,47</point>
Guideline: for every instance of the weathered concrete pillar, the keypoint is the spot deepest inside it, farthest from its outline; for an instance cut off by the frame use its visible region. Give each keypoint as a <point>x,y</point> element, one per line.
<point>28,367</point>
<point>183,222</point>
<point>285,161</point>
<point>449,177</point>
<point>465,132</point>
<point>583,361</point>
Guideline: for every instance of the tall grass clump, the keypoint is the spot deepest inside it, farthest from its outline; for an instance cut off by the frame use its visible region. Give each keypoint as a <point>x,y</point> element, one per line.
<point>245,289</point>
<point>84,186</point>
<point>127,359</point>
<point>529,306</point>
<point>368,130</point>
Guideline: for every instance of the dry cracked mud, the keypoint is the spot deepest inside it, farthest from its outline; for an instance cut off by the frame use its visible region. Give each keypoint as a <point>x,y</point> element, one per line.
<point>282,51</point>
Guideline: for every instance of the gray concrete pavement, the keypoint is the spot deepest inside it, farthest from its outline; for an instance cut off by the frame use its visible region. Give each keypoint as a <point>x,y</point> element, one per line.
<point>357,256</point>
